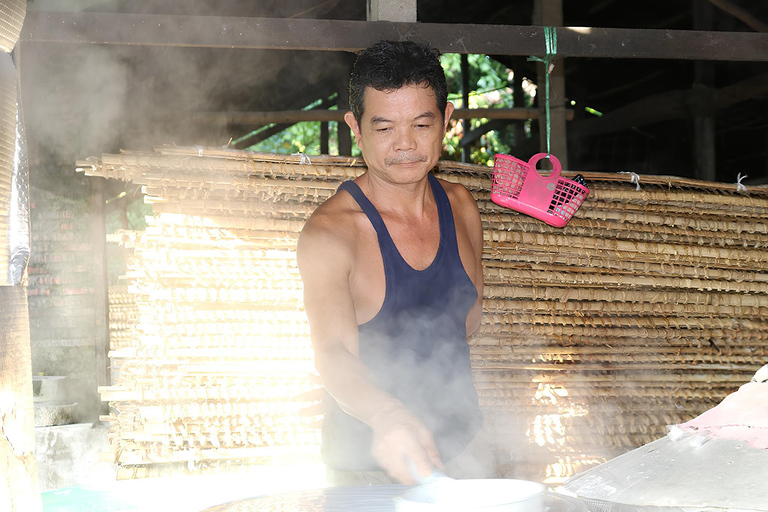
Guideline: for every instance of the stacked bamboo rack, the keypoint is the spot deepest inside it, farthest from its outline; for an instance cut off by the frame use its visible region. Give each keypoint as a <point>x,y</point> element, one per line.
<point>646,310</point>
<point>123,314</point>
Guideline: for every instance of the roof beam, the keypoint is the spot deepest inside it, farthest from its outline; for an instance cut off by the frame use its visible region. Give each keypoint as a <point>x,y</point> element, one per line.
<point>669,105</point>
<point>344,35</point>
<point>298,116</point>
<point>740,14</point>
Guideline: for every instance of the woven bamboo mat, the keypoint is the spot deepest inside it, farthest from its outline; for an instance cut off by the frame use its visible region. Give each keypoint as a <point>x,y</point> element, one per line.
<point>646,310</point>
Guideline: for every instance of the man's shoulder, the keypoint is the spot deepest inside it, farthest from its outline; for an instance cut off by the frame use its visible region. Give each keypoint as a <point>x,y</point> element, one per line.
<point>334,222</point>
<point>458,194</point>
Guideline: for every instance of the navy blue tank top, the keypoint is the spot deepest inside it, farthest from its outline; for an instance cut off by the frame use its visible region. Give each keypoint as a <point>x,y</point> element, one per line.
<point>415,346</point>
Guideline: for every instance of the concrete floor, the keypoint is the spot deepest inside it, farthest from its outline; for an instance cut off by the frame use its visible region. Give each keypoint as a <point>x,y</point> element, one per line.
<point>73,479</point>
<point>68,455</point>
<point>181,494</point>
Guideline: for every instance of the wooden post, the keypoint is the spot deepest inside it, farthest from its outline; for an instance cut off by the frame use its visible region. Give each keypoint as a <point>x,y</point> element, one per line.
<point>465,123</point>
<point>549,13</point>
<point>18,486</point>
<point>518,93</point>
<point>100,286</point>
<point>324,144</point>
<point>381,10</point>
<point>704,120</point>
<point>392,10</point>
<point>344,132</point>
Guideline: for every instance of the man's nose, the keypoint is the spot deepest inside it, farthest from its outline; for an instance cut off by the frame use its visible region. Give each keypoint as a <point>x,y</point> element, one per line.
<point>405,140</point>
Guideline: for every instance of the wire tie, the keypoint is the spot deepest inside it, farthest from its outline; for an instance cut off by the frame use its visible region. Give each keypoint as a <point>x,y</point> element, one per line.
<point>740,187</point>
<point>633,178</point>
<point>304,158</point>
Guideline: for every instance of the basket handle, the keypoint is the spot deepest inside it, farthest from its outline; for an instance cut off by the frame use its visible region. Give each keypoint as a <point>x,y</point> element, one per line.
<point>556,167</point>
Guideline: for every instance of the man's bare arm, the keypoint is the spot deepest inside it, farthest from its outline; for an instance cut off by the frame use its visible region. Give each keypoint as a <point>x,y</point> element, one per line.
<point>325,263</point>
<point>468,214</point>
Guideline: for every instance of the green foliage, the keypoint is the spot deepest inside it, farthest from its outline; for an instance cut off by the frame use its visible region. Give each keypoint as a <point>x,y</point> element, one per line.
<point>136,212</point>
<point>489,82</point>
<point>490,86</point>
<point>302,137</point>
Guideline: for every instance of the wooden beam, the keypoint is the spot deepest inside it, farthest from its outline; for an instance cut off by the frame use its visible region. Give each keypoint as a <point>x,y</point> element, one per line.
<point>392,10</point>
<point>741,91</point>
<point>344,132</point>
<point>298,116</point>
<point>100,287</point>
<point>351,36</point>
<point>268,117</point>
<point>740,14</point>
<point>465,123</point>
<point>252,139</point>
<point>704,129</point>
<point>665,106</point>
<point>552,138</point>
<point>255,138</point>
<point>473,135</point>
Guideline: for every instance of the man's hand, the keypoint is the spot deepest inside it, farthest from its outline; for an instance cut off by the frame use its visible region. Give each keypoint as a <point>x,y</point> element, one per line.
<point>402,445</point>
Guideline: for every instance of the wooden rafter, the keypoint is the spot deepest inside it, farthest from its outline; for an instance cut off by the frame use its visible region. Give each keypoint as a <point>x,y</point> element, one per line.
<point>343,35</point>
<point>297,116</point>
<point>740,14</point>
<point>678,104</point>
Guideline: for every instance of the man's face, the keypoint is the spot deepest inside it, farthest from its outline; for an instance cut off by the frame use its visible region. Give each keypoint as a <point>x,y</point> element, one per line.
<point>401,132</point>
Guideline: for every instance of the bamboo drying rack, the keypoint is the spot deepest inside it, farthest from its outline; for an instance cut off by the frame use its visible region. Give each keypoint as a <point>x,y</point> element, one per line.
<point>646,310</point>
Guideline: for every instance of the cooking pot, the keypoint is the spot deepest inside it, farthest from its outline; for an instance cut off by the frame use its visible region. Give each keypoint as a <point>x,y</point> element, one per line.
<point>480,495</point>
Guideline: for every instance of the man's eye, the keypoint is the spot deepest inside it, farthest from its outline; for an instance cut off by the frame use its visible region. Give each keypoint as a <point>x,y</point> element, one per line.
<point>383,130</point>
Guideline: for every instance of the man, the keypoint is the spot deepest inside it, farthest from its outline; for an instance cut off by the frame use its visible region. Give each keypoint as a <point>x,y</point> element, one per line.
<point>393,283</point>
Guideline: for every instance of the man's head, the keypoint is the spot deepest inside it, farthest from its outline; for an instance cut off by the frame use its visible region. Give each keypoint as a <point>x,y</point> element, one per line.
<point>389,65</point>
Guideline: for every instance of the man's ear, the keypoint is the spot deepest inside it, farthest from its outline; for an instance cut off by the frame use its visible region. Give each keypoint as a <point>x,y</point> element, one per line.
<point>448,113</point>
<point>349,118</point>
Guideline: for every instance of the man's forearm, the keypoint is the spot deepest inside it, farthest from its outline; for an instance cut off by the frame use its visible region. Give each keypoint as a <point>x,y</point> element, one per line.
<point>349,381</point>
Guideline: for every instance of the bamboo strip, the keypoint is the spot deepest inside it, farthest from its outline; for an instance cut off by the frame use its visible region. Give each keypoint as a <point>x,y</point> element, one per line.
<point>250,155</point>
<point>648,401</point>
<point>502,254</point>
<point>596,264</point>
<point>677,221</point>
<point>501,306</point>
<point>632,361</point>
<point>217,454</point>
<point>745,236</point>
<point>527,352</point>
<point>677,198</point>
<point>264,184</point>
<point>743,213</point>
<point>496,332</point>
<point>552,293</point>
<point>216,223</point>
<point>552,242</point>
<point>520,277</point>
<point>486,365</point>
<point>141,164</point>
<point>739,376</point>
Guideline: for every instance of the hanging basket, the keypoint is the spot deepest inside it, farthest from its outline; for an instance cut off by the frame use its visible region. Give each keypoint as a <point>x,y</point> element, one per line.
<point>519,186</point>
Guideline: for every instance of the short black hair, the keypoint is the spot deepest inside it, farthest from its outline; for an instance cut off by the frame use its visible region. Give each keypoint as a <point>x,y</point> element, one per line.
<point>390,65</point>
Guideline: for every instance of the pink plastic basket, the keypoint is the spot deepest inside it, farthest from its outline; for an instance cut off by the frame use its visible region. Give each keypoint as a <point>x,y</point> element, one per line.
<point>519,186</point>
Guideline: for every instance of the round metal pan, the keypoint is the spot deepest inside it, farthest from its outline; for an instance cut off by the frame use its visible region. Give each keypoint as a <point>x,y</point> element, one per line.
<point>495,495</point>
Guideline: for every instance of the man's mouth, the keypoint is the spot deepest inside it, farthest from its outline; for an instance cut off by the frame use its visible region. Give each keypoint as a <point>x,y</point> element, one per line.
<point>405,160</point>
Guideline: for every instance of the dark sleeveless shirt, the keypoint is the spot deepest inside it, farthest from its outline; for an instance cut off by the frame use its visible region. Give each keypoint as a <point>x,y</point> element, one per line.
<point>415,346</point>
